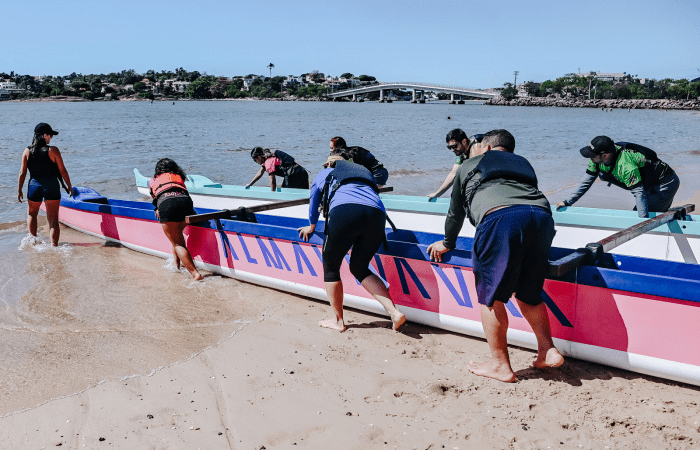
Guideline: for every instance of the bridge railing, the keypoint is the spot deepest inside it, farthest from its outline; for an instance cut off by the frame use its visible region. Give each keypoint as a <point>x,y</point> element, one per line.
<point>426,85</point>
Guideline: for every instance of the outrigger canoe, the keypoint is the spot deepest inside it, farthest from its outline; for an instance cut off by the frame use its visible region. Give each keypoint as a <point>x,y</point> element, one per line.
<point>676,241</point>
<point>633,313</point>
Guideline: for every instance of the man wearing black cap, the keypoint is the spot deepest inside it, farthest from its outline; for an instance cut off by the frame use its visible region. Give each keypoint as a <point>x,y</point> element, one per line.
<point>632,167</point>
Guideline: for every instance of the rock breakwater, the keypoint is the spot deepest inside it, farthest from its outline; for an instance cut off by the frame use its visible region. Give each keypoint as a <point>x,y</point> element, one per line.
<point>599,103</point>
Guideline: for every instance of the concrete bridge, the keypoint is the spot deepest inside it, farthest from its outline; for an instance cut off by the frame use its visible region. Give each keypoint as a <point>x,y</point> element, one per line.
<point>418,89</point>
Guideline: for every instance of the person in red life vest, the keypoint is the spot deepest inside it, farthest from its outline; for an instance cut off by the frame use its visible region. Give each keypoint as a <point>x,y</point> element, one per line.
<point>46,170</point>
<point>278,163</point>
<point>173,204</point>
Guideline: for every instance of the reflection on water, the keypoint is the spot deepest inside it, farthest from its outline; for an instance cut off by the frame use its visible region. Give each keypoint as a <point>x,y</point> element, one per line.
<point>84,312</point>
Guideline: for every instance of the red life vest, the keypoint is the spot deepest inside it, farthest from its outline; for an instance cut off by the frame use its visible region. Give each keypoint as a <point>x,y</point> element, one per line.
<point>163,182</point>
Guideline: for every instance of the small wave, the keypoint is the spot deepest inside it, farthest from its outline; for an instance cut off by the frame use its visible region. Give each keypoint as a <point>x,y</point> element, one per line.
<point>694,152</point>
<point>38,244</point>
<point>406,173</point>
<point>170,266</point>
<point>30,241</point>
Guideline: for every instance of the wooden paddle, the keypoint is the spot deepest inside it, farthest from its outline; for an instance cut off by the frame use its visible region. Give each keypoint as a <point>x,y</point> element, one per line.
<point>585,255</point>
<point>242,211</point>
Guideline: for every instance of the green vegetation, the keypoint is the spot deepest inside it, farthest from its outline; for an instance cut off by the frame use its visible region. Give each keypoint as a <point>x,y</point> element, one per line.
<point>177,84</point>
<point>630,87</point>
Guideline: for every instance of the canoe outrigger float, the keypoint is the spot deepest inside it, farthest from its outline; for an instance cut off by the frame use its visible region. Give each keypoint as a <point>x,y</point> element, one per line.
<point>675,241</point>
<point>633,313</point>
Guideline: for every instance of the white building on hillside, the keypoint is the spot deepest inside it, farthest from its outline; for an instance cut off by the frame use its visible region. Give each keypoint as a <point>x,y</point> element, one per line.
<point>292,81</point>
<point>605,76</point>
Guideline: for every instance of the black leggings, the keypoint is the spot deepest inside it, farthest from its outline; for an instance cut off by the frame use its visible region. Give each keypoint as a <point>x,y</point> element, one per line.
<point>350,225</point>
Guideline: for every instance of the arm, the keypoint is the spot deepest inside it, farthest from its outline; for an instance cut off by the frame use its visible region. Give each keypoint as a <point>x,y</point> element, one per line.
<point>55,156</point>
<point>22,174</point>
<point>455,215</point>
<point>273,183</point>
<point>640,199</point>
<point>583,186</point>
<point>314,203</point>
<point>447,183</point>
<point>256,177</point>
<point>453,222</point>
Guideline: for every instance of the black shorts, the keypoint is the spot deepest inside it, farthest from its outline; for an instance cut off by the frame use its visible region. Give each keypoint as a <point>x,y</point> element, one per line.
<point>174,207</point>
<point>511,254</point>
<point>43,189</point>
<point>298,178</point>
<point>350,225</point>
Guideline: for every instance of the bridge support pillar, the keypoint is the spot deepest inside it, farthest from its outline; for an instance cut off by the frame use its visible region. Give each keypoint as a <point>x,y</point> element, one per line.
<point>413,100</point>
<point>452,98</point>
<point>388,97</point>
<point>354,97</point>
<point>422,97</point>
<point>381,96</point>
<point>460,102</point>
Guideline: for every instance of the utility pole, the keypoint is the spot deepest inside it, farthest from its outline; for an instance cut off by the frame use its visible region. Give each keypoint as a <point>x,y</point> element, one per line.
<point>515,81</point>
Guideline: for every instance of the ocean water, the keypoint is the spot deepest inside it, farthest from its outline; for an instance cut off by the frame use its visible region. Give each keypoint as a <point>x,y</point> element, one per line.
<point>87,311</point>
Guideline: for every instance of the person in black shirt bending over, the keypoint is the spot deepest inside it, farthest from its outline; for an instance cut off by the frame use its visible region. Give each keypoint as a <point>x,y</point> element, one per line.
<point>362,157</point>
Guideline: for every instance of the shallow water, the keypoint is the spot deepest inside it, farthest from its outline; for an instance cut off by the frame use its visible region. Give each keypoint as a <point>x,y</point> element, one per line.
<point>88,311</point>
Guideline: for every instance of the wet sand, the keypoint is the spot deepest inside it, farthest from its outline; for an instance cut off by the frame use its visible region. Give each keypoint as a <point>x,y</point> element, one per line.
<point>145,359</point>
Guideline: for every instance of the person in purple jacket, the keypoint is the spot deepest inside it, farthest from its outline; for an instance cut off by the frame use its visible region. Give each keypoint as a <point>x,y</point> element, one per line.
<point>355,217</point>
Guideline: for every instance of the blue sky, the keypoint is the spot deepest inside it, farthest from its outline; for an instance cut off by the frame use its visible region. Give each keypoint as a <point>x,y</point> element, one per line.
<point>467,43</point>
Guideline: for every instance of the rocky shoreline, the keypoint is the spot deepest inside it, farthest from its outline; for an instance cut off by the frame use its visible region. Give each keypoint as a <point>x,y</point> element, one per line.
<point>136,98</point>
<point>664,104</point>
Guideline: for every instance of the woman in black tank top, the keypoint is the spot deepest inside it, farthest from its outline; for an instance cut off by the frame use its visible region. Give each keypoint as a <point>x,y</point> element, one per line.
<point>46,169</point>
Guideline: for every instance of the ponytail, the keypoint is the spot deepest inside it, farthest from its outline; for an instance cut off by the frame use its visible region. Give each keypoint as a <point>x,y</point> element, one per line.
<point>38,142</point>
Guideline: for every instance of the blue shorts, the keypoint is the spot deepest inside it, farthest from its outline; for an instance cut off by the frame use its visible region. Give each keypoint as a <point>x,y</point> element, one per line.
<point>380,175</point>
<point>43,189</point>
<point>511,254</point>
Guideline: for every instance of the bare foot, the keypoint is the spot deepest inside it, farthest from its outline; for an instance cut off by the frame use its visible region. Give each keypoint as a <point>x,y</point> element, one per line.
<point>551,358</point>
<point>198,277</point>
<point>398,321</point>
<point>493,369</point>
<point>332,324</point>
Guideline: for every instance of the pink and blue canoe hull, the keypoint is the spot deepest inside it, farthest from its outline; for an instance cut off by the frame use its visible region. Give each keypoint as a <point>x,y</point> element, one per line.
<point>631,313</point>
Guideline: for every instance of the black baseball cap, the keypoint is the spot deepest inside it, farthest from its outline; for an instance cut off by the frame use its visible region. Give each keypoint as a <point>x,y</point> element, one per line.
<point>599,145</point>
<point>44,128</point>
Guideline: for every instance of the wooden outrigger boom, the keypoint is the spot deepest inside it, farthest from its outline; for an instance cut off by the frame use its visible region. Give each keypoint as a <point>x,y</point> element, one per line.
<point>592,251</point>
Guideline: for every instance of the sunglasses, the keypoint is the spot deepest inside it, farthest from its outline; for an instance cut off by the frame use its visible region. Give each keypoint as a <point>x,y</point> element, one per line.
<point>453,146</point>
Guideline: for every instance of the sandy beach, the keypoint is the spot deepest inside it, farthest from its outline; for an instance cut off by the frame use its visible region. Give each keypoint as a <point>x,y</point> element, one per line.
<point>249,368</point>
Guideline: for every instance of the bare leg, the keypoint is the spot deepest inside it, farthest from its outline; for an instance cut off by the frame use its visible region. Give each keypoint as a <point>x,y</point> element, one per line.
<point>173,230</point>
<point>32,213</point>
<point>176,259</point>
<point>495,322</point>
<point>334,291</point>
<point>547,353</point>
<point>52,207</point>
<point>376,287</point>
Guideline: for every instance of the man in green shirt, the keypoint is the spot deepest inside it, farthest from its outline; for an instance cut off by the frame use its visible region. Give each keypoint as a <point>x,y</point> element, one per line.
<point>632,167</point>
<point>497,191</point>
